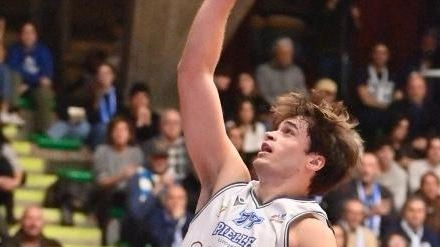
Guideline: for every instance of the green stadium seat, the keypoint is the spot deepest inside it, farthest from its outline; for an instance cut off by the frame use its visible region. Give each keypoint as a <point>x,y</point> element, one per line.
<point>44,141</point>
<point>25,103</point>
<point>75,174</point>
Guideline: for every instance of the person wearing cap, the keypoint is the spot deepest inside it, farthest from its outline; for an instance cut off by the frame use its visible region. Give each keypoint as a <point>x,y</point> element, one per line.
<point>171,136</point>
<point>143,190</point>
<point>328,87</point>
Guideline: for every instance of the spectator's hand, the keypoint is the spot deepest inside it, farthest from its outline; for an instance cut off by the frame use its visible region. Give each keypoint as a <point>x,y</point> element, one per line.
<point>383,208</point>
<point>163,181</point>
<point>5,106</point>
<point>45,81</point>
<point>143,117</point>
<point>420,143</point>
<point>398,95</point>
<point>22,88</point>
<point>7,184</point>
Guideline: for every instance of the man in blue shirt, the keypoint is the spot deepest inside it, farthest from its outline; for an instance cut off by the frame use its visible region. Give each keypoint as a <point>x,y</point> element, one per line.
<point>33,61</point>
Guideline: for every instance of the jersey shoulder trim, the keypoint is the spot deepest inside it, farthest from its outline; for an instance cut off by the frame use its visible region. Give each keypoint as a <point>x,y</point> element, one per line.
<point>308,214</point>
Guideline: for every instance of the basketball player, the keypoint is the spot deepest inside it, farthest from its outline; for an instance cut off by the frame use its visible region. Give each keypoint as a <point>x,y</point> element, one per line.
<point>311,150</point>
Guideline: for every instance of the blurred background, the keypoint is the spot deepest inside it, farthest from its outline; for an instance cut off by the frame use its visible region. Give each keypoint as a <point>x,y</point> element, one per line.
<point>92,143</point>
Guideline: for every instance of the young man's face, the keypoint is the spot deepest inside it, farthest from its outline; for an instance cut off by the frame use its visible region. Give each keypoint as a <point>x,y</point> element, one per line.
<point>284,151</point>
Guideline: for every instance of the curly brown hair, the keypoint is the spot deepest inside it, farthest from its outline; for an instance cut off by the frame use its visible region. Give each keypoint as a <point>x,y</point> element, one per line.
<point>331,132</point>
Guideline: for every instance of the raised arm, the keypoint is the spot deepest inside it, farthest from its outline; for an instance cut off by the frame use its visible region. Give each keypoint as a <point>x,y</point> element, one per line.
<point>215,159</point>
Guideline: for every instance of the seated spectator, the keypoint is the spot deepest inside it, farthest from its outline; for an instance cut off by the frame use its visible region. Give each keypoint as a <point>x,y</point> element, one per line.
<point>398,137</point>
<point>222,82</point>
<point>333,23</point>
<point>418,168</point>
<point>429,192</point>
<point>376,89</point>
<point>340,235</point>
<point>412,224</point>
<point>171,136</point>
<point>272,18</point>
<point>280,75</point>
<point>114,163</point>
<point>103,103</point>
<point>236,135</point>
<point>253,130</point>
<point>352,217</point>
<point>142,116</point>
<point>391,175</point>
<point>169,224</point>
<point>11,176</point>
<point>9,81</point>
<point>31,230</point>
<point>395,240</point>
<point>6,85</point>
<point>143,189</point>
<point>417,108</point>
<point>248,90</point>
<point>75,126</point>
<point>328,87</point>
<point>33,61</point>
<point>376,199</point>
<point>426,57</point>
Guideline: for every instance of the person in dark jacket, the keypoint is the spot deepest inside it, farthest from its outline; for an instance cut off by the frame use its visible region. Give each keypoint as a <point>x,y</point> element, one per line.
<point>168,225</point>
<point>412,225</point>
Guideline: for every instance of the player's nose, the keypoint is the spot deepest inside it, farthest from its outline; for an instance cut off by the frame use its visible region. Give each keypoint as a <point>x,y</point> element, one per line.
<point>269,135</point>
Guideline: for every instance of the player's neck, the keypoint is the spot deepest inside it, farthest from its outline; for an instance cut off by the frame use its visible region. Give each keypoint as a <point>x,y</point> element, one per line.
<point>267,191</point>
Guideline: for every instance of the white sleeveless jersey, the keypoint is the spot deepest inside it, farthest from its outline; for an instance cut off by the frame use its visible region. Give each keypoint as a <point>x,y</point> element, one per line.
<point>234,218</point>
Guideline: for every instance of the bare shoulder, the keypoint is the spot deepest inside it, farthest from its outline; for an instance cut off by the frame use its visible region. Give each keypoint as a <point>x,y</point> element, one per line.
<point>311,232</point>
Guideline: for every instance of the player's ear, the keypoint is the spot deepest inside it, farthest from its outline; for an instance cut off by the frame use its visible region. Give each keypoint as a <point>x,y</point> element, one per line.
<point>316,162</point>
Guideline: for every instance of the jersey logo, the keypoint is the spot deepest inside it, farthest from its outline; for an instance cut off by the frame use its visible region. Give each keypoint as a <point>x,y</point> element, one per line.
<point>227,235</point>
<point>248,220</point>
<point>278,218</point>
<point>239,201</point>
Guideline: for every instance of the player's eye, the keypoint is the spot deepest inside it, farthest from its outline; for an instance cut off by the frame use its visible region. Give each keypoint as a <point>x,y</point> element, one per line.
<point>288,131</point>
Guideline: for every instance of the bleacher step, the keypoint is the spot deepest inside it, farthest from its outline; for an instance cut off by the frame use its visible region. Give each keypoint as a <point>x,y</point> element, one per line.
<point>39,181</point>
<point>53,216</point>
<point>76,236</point>
<point>23,148</point>
<point>32,164</point>
<point>25,196</point>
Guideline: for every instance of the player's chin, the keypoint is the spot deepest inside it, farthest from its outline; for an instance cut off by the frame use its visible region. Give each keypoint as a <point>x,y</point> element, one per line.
<point>260,159</point>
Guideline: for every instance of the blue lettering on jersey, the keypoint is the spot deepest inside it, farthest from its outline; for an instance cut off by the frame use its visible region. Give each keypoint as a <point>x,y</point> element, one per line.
<point>248,220</point>
<point>223,230</point>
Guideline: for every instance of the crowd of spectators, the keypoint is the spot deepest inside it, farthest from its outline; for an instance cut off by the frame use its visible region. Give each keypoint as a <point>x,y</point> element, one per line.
<point>140,161</point>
